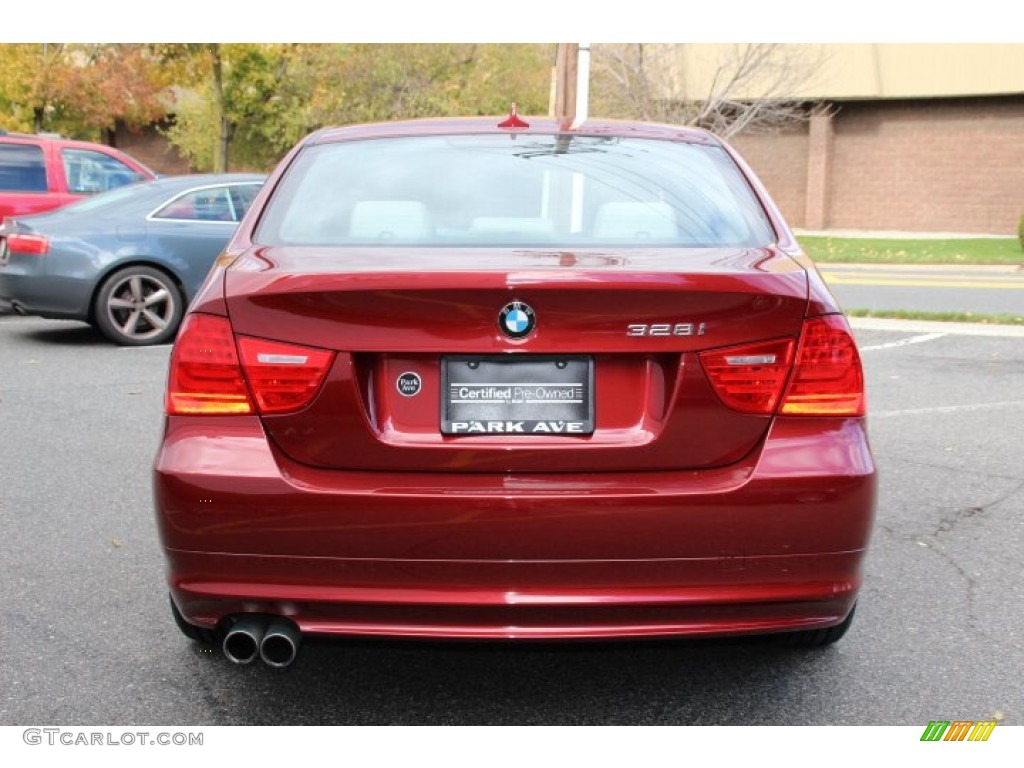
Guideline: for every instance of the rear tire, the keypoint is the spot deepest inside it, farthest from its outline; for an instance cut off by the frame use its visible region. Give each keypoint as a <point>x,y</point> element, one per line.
<point>817,638</point>
<point>200,635</point>
<point>137,306</point>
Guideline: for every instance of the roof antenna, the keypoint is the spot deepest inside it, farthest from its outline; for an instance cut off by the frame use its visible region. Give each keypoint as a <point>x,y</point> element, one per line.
<point>513,120</point>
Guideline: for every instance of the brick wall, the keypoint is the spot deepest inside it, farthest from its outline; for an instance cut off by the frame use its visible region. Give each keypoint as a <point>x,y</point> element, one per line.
<point>925,165</point>
<point>955,166</point>
<point>780,161</point>
<point>150,148</point>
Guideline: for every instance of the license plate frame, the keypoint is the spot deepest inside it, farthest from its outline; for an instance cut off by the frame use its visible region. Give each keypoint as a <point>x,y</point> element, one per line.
<point>517,395</point>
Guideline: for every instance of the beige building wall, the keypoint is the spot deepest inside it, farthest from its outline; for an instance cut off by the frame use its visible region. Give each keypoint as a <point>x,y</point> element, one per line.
<point>843,71</point>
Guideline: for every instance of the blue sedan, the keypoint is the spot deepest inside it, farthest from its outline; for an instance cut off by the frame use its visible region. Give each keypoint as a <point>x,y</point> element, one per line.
<point>127,261</point>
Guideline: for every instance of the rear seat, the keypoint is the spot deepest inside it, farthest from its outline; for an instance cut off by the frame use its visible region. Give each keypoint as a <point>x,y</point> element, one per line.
<point>390,220</point>
<point>635,221</point>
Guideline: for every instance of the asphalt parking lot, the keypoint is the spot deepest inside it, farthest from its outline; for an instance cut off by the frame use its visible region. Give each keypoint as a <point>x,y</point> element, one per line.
<point>88,638</point>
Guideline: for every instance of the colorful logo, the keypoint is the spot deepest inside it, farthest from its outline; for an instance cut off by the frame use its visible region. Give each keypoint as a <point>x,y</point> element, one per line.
<point>517,319</point>
<point>958,730</point>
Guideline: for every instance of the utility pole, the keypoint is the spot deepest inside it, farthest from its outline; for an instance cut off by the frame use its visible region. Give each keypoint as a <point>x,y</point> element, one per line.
<point>564,107</point>
<point>224,129</point>
<point>571,84</point>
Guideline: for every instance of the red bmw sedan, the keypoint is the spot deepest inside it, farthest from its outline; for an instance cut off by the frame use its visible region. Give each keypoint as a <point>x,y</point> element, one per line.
<point>483,379</point>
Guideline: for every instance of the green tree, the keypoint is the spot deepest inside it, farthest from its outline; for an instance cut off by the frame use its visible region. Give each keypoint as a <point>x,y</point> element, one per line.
<point>364,82</point>
<point>238,105</point>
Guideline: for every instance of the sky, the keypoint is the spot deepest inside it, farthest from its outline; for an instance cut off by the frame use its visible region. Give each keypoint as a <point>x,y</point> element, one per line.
<point>514,21</point>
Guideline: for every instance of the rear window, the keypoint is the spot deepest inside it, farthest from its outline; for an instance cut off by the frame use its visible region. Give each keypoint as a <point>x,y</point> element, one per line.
<point>519,190</point>
<point>89,172</point>
<point>204,204</point>
<point>242,196</point>
<point>211,203</point>
<point>22,168</point>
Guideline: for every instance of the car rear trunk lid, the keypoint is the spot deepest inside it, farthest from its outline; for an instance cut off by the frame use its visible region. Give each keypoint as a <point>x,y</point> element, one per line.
<point>399,319</point>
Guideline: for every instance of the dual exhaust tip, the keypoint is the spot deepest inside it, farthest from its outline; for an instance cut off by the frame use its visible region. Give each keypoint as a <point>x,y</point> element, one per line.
<point>275,639</point>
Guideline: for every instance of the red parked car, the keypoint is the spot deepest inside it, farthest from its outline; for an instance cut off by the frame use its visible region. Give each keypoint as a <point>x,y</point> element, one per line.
<point>453,379</point>
<point>40,173</point>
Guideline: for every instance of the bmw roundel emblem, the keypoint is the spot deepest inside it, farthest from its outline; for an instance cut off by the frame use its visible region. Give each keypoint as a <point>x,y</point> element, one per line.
<point>517,319</point>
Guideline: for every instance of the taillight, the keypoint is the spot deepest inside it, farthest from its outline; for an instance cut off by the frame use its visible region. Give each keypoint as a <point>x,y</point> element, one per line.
<point>205,376</point>
<point>34,245</point>
<point>283,377</point>
<point>827,380</point>
<point>749,378</point>
<point>209,375</point>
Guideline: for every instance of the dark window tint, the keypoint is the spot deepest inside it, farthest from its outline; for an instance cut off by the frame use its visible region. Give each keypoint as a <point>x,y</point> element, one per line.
<point>515,191</point>
<point>89,172</point>
<point>208,204</point>
<point>242,196</point>
<point>22,168</point>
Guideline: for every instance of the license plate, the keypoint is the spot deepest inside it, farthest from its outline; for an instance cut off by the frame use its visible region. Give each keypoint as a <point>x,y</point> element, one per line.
<point>514,395</point>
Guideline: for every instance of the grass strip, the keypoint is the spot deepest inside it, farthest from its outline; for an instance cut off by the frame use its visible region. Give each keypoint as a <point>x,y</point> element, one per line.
<point>943,317</point>
<point>853,250</point>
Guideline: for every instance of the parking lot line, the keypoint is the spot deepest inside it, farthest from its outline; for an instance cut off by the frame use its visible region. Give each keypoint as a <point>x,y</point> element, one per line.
<point>947,409</point>
<point>904,342</point>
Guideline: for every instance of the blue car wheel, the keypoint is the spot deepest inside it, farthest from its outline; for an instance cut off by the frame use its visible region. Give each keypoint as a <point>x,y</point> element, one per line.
<point>137,306</point>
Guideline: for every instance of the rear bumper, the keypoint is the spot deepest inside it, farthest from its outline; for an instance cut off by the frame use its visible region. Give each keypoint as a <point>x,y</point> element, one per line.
<point>773,543</point>
<point>27,289</point>
<point>596,599</point>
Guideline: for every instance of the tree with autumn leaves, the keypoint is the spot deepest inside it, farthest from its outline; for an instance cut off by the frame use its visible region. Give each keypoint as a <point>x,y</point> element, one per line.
<point>80,89</point>
<point>243,105</point>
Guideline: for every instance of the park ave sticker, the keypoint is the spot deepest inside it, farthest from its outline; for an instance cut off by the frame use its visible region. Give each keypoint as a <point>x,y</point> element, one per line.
<point>409,384</point>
